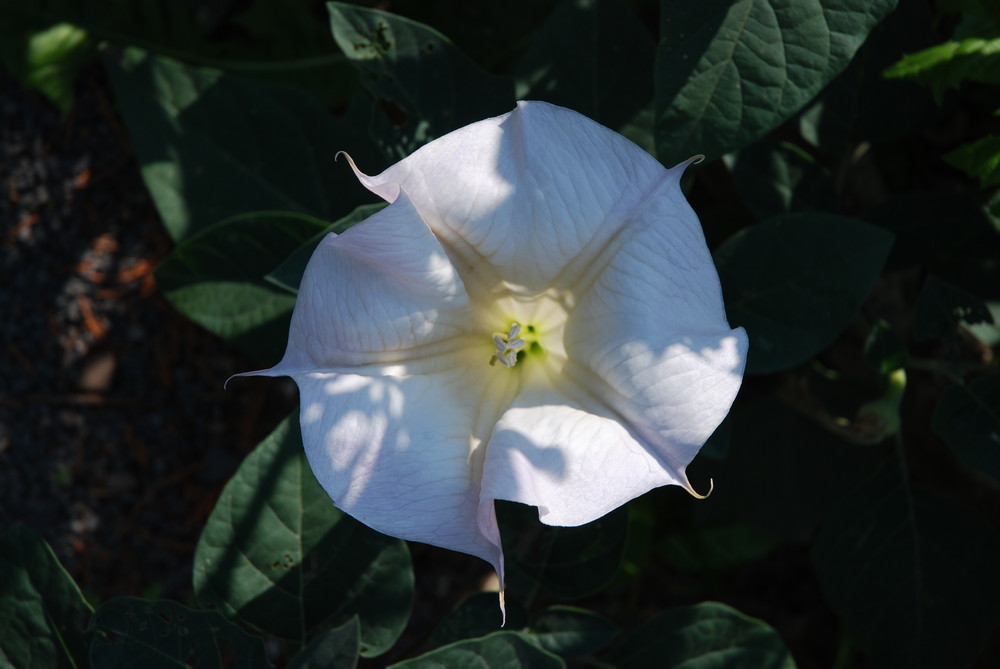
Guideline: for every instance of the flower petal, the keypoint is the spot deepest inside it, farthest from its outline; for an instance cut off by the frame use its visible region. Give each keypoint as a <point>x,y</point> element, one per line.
<point>650,335</point>
<point>375,294</point>
<point>520,197</point>
<point>574,462</point>
<point>401,454</point>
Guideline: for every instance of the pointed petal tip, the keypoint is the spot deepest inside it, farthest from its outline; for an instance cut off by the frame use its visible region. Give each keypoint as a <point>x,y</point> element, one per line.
<point>503,608</point>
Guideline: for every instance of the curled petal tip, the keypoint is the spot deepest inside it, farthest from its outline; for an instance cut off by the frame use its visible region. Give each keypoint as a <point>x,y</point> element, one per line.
<point>503,608</point>
<point>695,493</point>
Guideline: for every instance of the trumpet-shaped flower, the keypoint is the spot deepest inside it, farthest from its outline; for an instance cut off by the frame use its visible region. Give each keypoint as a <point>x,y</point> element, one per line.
<point>535,317</point>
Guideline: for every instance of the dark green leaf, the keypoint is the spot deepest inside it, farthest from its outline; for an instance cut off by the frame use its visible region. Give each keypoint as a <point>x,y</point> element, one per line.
<point>278,555</point>
<point>714,548</point>
<point>912,575</point>
<point>968,418</point>
<point>729,72</point>
<point>476,616</point>
<point>979,159</point>
<point>336,649</point>
<point>948,233</point>
<point>569,562</point>
<point>281,42</point>
<point>423,86</point>
<point>795,281</point>
<point>288,274</point>
<point>778,177</point>
<point>570,632</point>
<point>43,615</point>
<point>151,23</point>
<point>941,306</point>
<point>784,471</point>
<point>705,636</point>
<point>592,56</point>
<point>860,104</point>
<point>217,278</point>
<point>212,146</point>
<point>133,632</point>
<point>500,650</point>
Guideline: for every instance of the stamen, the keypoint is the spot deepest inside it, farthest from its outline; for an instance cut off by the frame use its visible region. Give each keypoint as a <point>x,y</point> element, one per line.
<point>507,346</point>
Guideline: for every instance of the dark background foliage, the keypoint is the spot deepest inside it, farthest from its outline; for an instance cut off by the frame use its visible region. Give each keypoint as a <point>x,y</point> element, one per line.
<point>853,216</point>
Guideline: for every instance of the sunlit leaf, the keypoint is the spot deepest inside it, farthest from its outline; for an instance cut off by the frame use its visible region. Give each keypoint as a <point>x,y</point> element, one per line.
<point>132,632</point>
<point>951,63</point>
<point>728,72</point>
<point>42,612</point>
<point>979,159</point>
<point>46,60</point>
<point>276,554</point>
<point>912,574</point>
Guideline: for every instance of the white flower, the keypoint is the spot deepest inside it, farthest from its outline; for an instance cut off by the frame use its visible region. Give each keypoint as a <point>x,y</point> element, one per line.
<point>555,247</point>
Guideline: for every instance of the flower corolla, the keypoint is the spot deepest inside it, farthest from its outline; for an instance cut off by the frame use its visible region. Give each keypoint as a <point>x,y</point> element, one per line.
<point>535,317</point>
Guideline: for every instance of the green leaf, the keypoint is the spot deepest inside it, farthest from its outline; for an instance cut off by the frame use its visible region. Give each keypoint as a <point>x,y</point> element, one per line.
<point>46,60</point>
<point>593,56</point>
<point>884,348</point>
<point>42,612</point>
<point>338,648</point>
<point>729,72</point>
<point>968,418</point>
<point>778,177</point>
<point>979,159</point>
<point>911,574</point>
<point>478,615</point>
<point>280,42</point>
<point>423,86</point>
<point>211,146</point>
<point>569,562</point>
<point>570,632</point>
<point>500,650</point>
<point>941,306</point>
<point>705,636</point>
<point>278,555</point>
<point>133,632</point>
<point>217,278</point>
<point>288,274</point>
<point>795,281</point>
<point>860,104</point>
<point>951,63</point>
